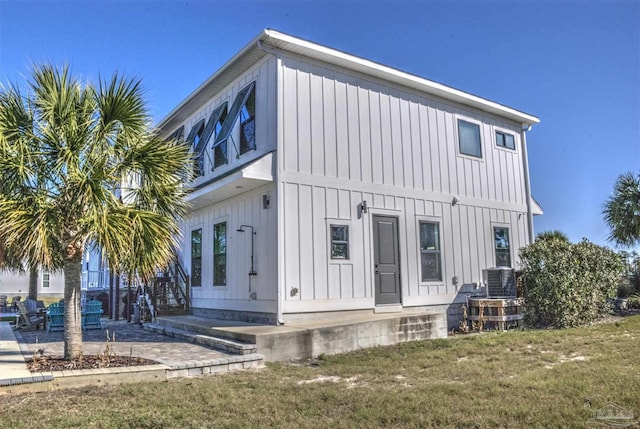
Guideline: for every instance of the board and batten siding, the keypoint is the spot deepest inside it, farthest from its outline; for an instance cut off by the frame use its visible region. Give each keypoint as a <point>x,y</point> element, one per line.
<point>244,209</point>
<point>348,138</point>
<point>264,75</point>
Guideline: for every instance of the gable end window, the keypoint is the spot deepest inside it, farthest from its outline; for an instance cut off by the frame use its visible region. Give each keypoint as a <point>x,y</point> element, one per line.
<point>430,253</point>
<point>243,109</point>
<point>505,140</point>
<point>196,257</point>
<point>502,246</point>
<point>220,254</point>
<point>339,242</point>
<point>469,139</point>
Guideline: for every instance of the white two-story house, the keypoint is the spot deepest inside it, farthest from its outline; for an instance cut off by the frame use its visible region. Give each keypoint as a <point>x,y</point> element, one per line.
<point>328,183</point>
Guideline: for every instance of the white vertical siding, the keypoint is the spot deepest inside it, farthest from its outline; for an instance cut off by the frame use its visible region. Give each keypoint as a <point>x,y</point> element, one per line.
<point>244,209</point>
<point>354,139</point>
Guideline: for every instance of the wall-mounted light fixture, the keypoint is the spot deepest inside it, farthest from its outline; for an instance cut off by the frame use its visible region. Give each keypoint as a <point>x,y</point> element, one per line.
<point>454,201</point>
<point>266,202</point>
<point>252,272</point>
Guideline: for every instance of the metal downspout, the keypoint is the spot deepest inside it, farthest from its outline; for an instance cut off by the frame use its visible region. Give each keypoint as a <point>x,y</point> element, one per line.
<point>527,183</point>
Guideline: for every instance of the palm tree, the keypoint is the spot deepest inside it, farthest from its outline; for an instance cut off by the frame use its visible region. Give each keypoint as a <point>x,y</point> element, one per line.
<point>79,164</point>
<point>622,210</point>
<point>552,235</point>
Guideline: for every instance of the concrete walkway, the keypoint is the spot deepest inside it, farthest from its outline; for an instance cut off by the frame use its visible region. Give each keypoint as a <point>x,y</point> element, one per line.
<point>13,369</point>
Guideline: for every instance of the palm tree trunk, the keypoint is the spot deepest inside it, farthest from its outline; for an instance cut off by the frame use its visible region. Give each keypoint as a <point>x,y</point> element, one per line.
<point>72,311</point>
<point>33,283</point>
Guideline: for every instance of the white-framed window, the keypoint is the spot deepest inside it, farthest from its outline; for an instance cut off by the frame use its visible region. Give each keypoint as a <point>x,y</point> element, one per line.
<point>469,139</point>
<point>430,251</point>
<point>502,246</point>
<point>506,140</point>
<point>220,254</point>
<point>46,279</point>
<point>196,257</point>
<point>339,241</point>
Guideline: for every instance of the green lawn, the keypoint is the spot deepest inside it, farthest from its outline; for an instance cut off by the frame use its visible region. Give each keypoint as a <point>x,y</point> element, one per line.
<point>517,379</point>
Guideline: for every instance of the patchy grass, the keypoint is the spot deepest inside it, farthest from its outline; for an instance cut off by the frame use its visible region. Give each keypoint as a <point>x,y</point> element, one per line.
<point>555,378</point>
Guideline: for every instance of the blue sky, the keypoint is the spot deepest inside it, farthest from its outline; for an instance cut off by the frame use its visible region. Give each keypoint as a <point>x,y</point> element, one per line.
<point>574,64</point>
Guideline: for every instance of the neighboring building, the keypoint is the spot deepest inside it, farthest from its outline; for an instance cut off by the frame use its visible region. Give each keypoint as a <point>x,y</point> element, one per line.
<point>17,284</point>
<point>329,183</point>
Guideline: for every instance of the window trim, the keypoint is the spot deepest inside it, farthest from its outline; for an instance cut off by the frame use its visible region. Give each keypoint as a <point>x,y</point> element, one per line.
<point>459,141</point>
<point>46,283</point>
<point>504,133</point>
<point>495,227</point>
<point>233,115</point>
<point>438,251</point>
<point>332,241</point>
<point>226,252</point>
<point>200,229</point>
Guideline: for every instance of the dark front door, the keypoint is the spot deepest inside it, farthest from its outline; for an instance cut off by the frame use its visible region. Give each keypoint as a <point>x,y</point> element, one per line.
<point>386,259</point>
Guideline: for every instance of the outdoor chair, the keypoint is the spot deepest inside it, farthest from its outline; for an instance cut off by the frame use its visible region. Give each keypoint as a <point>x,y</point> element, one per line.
<point>28,319</point>
<point>55,317</point>
<point>14,303</point>
<point>91,315</point>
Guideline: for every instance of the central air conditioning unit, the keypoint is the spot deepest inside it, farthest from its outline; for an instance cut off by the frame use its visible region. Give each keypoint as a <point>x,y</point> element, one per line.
<point>500,282</point>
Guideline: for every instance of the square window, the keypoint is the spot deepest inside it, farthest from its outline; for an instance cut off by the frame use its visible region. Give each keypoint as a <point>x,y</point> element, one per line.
<point>469,138</point>
<point>505,140</point>
<point>430,254</point>
<point>339,242</point>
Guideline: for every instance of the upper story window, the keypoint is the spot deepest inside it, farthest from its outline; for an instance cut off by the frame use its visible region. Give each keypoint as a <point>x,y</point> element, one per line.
<point>200,135</point>
<point>503,248</point>
<point>177,134</point>
<point>243,109</point>
<point>220,151</point>
<point>430,253</point>
<point>469,138</point>
<point>505,140</point>
<point>196,140</point>
<point>248,124</point>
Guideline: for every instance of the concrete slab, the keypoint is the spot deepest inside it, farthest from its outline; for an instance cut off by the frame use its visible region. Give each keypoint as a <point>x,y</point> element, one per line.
<point>307,339</point>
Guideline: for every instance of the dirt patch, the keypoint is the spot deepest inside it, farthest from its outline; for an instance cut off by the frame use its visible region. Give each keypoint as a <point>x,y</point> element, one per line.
<point>58,363</point>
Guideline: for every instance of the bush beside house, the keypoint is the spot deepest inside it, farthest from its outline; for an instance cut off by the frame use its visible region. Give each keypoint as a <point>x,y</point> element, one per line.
<point>568,284</point>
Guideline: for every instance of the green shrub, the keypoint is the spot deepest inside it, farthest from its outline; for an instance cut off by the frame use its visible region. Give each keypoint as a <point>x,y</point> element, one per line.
<point>568,284</point>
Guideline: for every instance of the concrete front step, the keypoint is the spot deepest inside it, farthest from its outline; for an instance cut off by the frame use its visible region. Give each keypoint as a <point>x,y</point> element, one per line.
<point>303,340</point>
<point>223,344</point>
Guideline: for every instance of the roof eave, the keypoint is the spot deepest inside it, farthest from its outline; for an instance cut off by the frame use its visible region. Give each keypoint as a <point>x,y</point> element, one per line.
<point>333,56</point>
<point>293,44</point>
